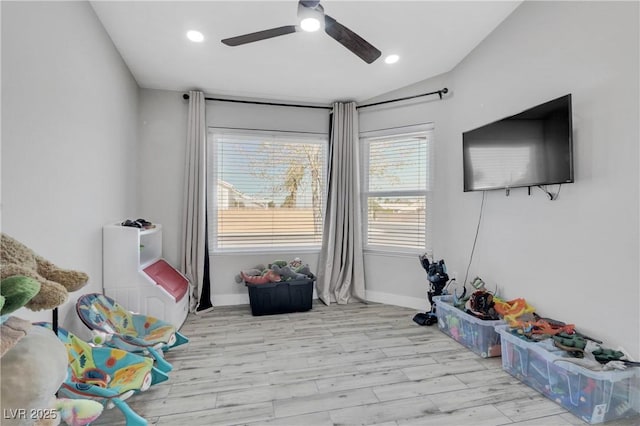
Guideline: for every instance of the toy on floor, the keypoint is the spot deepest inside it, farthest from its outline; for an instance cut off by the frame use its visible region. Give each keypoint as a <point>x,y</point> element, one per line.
<point>55,282</point>
<point>128,331</point>
<point>279,270</point>
<point>33,366</point>
<point>268,277</point>
<point>481,305</point>
<point>106,375</point>
<point>32,371</point>
<point>16,291</point>
<point>573,343</point>
<point>512,311</point>
<point>78,412</point>
<point>438,281</point>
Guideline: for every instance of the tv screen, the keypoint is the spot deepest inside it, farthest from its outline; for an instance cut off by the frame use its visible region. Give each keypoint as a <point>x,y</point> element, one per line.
<point>534,147</point>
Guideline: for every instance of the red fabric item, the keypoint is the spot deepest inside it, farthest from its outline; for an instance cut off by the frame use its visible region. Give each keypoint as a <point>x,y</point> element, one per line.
<point>269,277</point>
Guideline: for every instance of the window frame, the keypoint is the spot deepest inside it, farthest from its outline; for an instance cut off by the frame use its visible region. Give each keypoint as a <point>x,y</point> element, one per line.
<point>212,189</point>
<point>426,130</point>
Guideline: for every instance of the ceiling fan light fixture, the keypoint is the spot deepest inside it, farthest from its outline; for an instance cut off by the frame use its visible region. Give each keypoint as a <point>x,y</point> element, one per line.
<point>195,36</point>
<point>310,18</point>
<point>310,24</point>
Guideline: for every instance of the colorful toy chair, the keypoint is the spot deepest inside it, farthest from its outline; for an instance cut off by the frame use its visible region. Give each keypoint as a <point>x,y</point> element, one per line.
<point>106,375</point>
<point>128,331</point>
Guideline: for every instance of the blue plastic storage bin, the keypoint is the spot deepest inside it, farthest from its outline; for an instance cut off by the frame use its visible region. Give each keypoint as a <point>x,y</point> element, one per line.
<point>594,396</point>
<point>474,333</point>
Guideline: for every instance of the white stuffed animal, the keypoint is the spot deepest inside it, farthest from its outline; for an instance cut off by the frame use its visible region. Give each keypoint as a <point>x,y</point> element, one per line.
<point>32,372</point>
<point>33,361</point>
<point>34,365</point>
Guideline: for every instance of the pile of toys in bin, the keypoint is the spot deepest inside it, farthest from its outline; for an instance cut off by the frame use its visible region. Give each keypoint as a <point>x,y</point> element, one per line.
<point>279,270</point>
<point>278,288</point>
<point>577,371</point>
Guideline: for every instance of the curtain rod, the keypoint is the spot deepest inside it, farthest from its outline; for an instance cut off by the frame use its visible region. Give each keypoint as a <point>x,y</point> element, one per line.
<point>186,97</point>
<point>438,92</point>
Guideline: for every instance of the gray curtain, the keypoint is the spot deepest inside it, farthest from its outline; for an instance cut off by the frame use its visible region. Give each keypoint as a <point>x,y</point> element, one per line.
<point>194,211</point>
<point>341,263</point>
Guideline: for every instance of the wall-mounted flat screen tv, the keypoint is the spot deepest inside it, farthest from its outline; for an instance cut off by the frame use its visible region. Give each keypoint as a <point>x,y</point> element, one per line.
<point>534,147</point>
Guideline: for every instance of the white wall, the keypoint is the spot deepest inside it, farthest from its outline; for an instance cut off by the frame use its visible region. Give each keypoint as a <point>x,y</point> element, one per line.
<point>163,134</point>
<point>574,259</point>
<point>69,137</point>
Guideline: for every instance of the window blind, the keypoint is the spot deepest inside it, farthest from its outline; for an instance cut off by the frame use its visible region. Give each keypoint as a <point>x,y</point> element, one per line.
<point>397,183</point>
<point>268,190</point>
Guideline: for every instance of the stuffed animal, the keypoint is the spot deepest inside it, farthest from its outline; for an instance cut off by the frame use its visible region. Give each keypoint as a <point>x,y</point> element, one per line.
<point>256,271</point>
<point>16,291</point>
<point>279,270</point>
<point>34,362</point>
<point>32,371</point>
<point>289,273</point>
<point>78,412</point>
<point>55,282</point>
<point>268,277</point>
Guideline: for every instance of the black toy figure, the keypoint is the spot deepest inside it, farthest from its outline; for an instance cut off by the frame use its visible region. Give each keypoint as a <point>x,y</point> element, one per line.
<point>438,279</point>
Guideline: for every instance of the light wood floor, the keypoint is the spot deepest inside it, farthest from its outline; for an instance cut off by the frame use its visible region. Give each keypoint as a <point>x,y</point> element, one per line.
<point>339,365</point>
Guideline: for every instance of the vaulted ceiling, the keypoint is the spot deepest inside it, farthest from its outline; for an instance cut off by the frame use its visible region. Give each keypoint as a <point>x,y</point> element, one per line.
<point>430,37</point>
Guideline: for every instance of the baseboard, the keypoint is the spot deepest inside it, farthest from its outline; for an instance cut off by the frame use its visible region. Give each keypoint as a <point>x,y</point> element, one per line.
<point>229,299</point>
<point>417,303</point>
<point>371,296</point>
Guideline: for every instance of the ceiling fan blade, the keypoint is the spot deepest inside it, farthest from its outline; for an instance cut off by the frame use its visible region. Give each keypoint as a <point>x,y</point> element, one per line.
<point>260,35</point>
<point>351,40</point>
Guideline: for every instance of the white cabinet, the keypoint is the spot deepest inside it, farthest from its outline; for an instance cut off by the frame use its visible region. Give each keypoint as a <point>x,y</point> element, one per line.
<point>136,276</point>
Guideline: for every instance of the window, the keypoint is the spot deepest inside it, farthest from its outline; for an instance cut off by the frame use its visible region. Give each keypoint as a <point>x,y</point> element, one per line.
<point>268,190</point>
<point>396,185</point>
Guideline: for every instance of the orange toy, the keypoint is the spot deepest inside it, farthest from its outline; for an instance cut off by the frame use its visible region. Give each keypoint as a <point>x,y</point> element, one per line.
<point>542,326</point>
<point>512,310</point>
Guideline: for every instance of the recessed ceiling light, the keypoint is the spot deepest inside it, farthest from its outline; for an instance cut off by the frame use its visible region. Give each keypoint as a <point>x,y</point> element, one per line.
<point>392,59</point>
<point>195,36</point>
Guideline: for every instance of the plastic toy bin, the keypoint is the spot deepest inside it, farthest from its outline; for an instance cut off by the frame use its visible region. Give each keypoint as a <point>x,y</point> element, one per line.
<point>594,396</point>
<point>281,298</point>
<point>476,334</point>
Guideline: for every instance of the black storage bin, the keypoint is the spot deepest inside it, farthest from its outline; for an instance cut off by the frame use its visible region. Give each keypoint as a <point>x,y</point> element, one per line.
<point>281,298</point>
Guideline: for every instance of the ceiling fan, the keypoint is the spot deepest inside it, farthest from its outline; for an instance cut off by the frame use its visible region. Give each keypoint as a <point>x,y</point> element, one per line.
<point>311,17</point>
